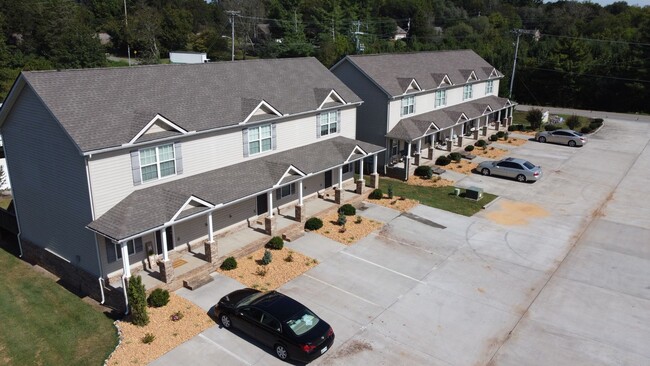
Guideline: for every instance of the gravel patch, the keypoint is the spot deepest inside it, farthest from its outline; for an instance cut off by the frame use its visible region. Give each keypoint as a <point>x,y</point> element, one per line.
<point>355,230</point>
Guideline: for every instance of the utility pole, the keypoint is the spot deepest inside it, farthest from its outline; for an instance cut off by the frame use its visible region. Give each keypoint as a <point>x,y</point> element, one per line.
<point>360,46</point>
<point>519,32</point>
<point>126,23</point>
<point>232,14</point>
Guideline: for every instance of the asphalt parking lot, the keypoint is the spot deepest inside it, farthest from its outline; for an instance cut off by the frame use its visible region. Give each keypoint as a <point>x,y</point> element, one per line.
<point>555,272</point>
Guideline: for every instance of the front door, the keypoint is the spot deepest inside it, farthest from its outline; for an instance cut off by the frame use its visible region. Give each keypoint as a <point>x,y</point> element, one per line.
<point>262,204</point>
<point>328,179</point>
<point>170,240</point>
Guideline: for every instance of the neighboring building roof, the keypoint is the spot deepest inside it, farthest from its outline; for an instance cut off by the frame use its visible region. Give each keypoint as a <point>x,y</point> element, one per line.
<point>425,67</point>
<point>106,107</point>
<point>149,208</point>
<point>411,128</point>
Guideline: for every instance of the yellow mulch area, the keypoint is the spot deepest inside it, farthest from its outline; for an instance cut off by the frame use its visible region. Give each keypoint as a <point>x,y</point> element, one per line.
<point>514,141</point>
<point>396,203</point>
<point>354,230</point>
<point>515,213</point>
<point>464,166</point>
<point>489,152</point>
<point>168,334</point>
<point>285,266</point>
<point>433,182</point>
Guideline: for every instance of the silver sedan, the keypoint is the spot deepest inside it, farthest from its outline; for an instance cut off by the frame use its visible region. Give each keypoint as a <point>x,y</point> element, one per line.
<point>520,169</point>
<point>564,137</point>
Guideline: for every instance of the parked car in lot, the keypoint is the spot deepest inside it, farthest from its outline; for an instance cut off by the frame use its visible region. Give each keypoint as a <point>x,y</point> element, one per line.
<point>520,169</point>
<point>277,321</point>
<point>565,137</point>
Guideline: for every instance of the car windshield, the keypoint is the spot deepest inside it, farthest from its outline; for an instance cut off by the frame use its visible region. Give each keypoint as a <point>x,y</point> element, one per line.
<point>528,165</point>
<point>249,299</point>
<point>302,322</point>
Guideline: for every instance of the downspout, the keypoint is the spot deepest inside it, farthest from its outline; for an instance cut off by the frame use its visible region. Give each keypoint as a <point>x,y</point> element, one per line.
<point>20,244</point>
<point>100,279</point>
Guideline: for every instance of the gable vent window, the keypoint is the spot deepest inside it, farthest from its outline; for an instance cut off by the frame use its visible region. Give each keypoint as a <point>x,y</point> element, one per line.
<point>408,105</point>
<point>157,162</point>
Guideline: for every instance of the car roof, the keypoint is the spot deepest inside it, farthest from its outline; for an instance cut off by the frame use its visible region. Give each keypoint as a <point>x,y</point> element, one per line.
<point>516,160</point>
<point>278,305</point>
<point>565,130</point>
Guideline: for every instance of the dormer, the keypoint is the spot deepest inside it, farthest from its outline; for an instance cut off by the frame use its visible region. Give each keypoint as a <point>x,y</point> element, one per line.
<point>408,85</point>
<point>468,75</point>
<point>328,98</point>
<point>158,127</point>
<point>491,72</point>
<point>261,111</point>
<point>441,80</point>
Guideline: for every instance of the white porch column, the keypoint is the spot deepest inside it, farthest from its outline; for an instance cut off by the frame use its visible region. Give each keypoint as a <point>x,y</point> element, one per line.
<point>341,177</point>
<point>361,169</point>
<point>300,193</point>
<point>210,230</point>
<point>499,115</point>
<point>125,259</point>
<point>163,238</point>
<point>374,164</point>
<point>419,145</point>
<point>269,197</point>
<point>408,149</point>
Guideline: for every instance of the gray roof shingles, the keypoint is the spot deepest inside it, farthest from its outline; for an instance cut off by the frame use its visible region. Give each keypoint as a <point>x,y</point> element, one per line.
<point>106,107</point>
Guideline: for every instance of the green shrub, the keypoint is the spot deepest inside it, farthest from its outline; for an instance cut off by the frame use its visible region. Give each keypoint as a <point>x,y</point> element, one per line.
<point>506,136</point>
<point>429,174</point>
<point>529,128</point>
<point>469,148</point>
<point>137,301</point>
<point>493,137</point>
<point>573,122</point>
<point>267,257</point>
<point>549,127</point>
<point>595,124</point>
<point>275,243</point>
<point>443,160</point>
<point>348,210</point>
<point>314,223</point>
<point>534,117</point>
<point>158,298</point>
<point>342,220</point>
<point>455,156</point>
<point>376,194</point>
<point>480,143</point>
<point>422,170</point>
<point>598,120</point>
<point>148,338</point>
<point>586,130</point>
<point>358,220</point>
<point>390,191</point>
<point>229,263</point>
<point>500,134</point>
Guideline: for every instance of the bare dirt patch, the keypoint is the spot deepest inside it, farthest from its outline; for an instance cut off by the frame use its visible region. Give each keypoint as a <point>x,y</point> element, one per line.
<point>352,348</point>
<point>354,229</point>
<point>285,266</point>
<point>396,203</point>
<point>168,334</point>
<point>515,213</point>
<point>433,182</point>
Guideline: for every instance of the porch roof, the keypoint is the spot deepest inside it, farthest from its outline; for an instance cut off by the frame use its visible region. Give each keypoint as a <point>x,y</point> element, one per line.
<point>412,128</point>
<point>150,208</point>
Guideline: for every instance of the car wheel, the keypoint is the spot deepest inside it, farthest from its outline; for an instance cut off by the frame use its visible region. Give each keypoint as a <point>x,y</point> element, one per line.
<point>541,139</point>
<point>281,352</point>
<point>572,143</point>
<point>225,321</point>
<point>521,178</point>
<point>485,171</point>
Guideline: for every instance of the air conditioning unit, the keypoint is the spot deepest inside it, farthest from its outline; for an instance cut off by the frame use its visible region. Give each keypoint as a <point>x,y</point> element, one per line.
<point>474,193</point>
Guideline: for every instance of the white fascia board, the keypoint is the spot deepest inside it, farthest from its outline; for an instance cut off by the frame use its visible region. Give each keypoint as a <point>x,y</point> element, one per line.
<point>158,117</point>
<point>356,149</point>
<point>333,95</point>
<point>471,77</point>
<point>263,103</point>
<point>194,199</point>
<point>414,84</point>
<point>291,168</point>
<point>463,117</point>
<point>445,80</point>
<point>487,109</point>
<point>494,73</point>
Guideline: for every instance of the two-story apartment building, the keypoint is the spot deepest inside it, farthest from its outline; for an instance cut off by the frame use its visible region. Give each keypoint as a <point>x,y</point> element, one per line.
<point>415,102</point>
<point>109,165</point>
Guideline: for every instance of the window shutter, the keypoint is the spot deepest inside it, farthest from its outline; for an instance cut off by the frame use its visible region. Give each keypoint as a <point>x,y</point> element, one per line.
<point>318,126</point>
<point>135,167</point>
<point>338,121</point>
<point>401,108</point>
<point>178,153</point>
<point>278,194</point>
<point>273,137</point>
<point>138,244</point>
<point>110,251</point>
<point>244,133</point>
<point>413,104</point>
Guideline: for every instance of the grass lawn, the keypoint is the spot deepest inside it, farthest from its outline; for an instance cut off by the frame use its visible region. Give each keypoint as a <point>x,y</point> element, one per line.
<point>44,324</point>
<point>438,197</point>
<point>519,117</point>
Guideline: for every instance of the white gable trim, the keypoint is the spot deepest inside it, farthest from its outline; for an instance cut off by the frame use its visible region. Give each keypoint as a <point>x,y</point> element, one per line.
<point>472,76</point>
<point>263,104</point>
<point>494,73</point>
<point>356,149</point>
<point>445,81</point>
<point>162,119</point>
<point>287,173</point>
<point>413,85</point>
<point>487,110</point>
<point>333,95</point>
<point>189,200</point>
<point>463,117</point>
<point>508,103</point>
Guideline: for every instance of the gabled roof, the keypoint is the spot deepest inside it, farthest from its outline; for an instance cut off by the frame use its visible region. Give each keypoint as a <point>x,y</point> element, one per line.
<point>151,207</point>
<point>106,107</point>
<point>427,68</point>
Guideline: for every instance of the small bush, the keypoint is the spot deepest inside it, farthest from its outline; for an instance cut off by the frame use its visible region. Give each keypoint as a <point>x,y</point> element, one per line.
<point>443,160</point>
<point>529,128</point>
<point>276,243</point>
<point>500,134</point>
<point>148,338</point>
<point>480,143</point>
<point>506,136</point>
<point>390,191</point>
<point>534,117</point>
<point>176,316</point>
<point>261,271</point>
<point>342,219</point>
<point>158,298</point>
<point>377,194</point>
<point>586,130</point>
<point>314,223</point>
<point>422,170</point>
<point>267,257</point>
<point>455,156</point>
<point>229,263</point>
<point>429,174</point>
<point>348,210</point>
<point>550,127</point>
<point>573,122</point>
<point>289,257</point>
<point>493,137</point>
<point>511,128</point>
<point>358,220</point>
<point>137,297</point>
<point>469,148</point>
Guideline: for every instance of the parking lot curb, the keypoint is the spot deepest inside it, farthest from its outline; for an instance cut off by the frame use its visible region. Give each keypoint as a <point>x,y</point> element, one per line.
<point>491,202</point>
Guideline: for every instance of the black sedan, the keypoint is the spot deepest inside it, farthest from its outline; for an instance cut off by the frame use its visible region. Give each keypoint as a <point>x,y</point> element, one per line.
<point>277,321</point>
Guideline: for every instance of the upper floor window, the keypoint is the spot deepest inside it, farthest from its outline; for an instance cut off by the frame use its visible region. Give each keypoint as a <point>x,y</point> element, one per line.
<point>441,98</point>
<point>467,92</point>
<point>328,123</point>
<point>157,162</point>
<point>408,105</point>
<point>489,87</point>
<point>259,139</point>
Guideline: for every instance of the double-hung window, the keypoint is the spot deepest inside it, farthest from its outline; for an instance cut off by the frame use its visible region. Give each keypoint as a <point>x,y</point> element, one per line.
<point>329,123</point>
<point>114,251</point>
<point>489,87</point>
<point>467,92</point>
<point>408,105</point>
<point>259,139</point>
<point>441,98</point>
<point>157,162</point>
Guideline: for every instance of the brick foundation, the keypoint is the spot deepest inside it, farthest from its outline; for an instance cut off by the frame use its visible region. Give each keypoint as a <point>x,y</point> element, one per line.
<point>484,131</point>
<point>166,271</point>
<point>299,213</point>
<point>360,184</point>
<point>460,140</point>
<point>374,180</point>
<point>269,225</point>
<point>211,251</point>
<point>338,196</point>
<point>416,159</point>
<point>430,153</point>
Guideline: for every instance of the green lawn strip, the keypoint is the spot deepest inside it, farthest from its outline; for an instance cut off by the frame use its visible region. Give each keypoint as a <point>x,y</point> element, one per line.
<point>519,117</point>
<point>437,197</point>
<point>44,324</point>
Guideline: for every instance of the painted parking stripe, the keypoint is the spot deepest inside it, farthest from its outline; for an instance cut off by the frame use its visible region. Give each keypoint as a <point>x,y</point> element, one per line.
<point>382,267</point>
<point>342,290</point>
<point>224,349</point>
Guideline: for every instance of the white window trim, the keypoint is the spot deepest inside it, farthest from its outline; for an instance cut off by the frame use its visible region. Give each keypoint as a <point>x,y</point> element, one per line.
<point>157,163</point>
<point>329,123</point>
<point>129,245</point>
<point>260,139</point>
<point>443,99</point>
<point>410,107</point>
<point>468,91</point>
<point>292,190</point>
<point>489,87</point>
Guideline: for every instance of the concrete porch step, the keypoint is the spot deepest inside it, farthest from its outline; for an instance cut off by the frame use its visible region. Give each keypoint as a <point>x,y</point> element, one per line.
<point>197,281</point>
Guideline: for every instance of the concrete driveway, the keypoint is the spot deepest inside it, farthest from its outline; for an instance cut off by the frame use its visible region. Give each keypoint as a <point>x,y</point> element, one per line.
<point>555,272</point>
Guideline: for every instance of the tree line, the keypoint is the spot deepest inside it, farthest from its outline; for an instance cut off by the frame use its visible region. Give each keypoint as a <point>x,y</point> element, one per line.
<point>586,56</point>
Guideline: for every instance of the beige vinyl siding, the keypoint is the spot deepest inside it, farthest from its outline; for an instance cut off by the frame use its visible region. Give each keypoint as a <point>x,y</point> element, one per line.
<point>395,113</point>
<point>110,179</point>
<point>313,184</point>
<point>234,214</point>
